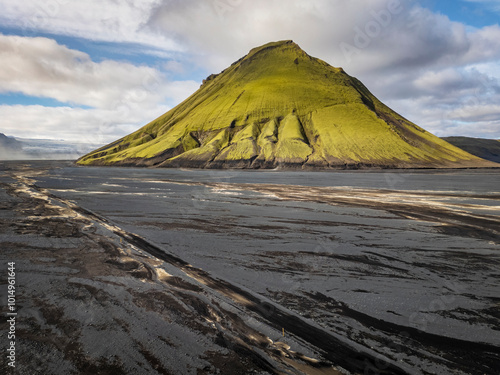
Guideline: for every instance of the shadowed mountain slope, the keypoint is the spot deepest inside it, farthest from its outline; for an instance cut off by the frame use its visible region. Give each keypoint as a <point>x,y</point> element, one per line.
<point>280,107</point>
<point>488,149</point>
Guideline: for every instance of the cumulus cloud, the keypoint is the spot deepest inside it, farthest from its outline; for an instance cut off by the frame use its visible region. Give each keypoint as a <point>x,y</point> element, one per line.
<point>381,34</point>
<point>220,31</point>
<point>107,99</point>
<point>111,21</point>
<point>484,45</point>
<point>216,32</point>
<point>96,126</point>
<point>452,101</point>
<point>43,68</point>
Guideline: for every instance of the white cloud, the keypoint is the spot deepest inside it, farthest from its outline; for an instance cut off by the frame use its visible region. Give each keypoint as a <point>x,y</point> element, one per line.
<point>476,113</point>
<point>484,45</point>
<point>95,126</point>
<point>218,32</point>
<point>88,125</point>
<point>121,96</point>
<point>473,119</point>
<point>41,67</point>
<point>383,33</point>
<point>111,21</point>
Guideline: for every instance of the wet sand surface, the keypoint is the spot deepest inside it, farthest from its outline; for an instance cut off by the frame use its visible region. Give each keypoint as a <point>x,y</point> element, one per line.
<point>202,272</point>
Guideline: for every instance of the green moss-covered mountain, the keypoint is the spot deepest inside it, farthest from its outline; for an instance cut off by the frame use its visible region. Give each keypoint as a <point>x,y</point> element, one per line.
<point>280,107</point>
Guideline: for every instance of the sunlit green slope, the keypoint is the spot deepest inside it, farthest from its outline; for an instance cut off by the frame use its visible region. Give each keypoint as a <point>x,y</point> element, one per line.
<point>279,107</point>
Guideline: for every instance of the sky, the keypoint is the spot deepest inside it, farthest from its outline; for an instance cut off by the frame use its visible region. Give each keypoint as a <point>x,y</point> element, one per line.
<point>96,70</point>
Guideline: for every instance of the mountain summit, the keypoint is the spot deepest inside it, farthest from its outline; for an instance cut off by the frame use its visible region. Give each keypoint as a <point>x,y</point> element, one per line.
<point>280,107</point>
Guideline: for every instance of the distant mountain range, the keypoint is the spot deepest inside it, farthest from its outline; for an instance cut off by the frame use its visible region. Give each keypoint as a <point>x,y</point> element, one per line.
<point>32,149</point>
<point>10,148</point>
<point>278,107</point>
<point>488,149</point>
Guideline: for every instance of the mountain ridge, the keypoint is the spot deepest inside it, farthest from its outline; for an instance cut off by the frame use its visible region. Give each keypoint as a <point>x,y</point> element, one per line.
<point>278,107</point>
<point>488,149</point>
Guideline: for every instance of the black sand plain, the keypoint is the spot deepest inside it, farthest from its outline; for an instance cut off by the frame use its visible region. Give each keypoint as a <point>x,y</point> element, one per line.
<point>151,271</point>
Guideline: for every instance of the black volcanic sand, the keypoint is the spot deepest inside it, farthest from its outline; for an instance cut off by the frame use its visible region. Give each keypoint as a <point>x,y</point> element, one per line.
<point>181,272</point>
